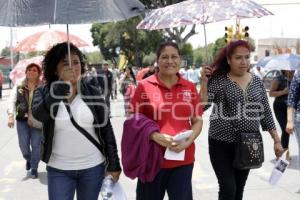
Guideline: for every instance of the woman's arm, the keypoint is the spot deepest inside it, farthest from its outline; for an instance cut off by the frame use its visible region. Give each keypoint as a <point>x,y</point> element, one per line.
<point>277,143</point>
<point>196,128</point>
<point>205,73</point>
<point>290,126</point>
<point>44,101</point>
<point>274,87</point>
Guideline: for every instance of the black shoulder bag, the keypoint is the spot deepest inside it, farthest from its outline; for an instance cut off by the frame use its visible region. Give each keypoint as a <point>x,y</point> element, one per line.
<point>82,130</point>
<point>249,150</point>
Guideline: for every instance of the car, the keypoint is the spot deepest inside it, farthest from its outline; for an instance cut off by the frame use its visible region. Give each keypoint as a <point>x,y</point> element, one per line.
<point>269,77</point>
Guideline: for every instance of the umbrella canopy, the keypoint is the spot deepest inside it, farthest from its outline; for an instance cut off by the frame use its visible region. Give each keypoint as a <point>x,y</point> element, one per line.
<point>18,73</point>
<point>201,12</point>
<point>44,40</point>
<point>280,62</point>
<point>39,12</point>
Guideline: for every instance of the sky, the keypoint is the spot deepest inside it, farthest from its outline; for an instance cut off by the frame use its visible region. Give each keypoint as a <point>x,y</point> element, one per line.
<point>284,23</point>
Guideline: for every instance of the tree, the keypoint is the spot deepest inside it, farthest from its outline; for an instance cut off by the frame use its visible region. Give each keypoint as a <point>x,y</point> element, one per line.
<point>5,52</point>
<point>178,34</point>
<point>94,57</point>
<point>218,44</point>
<point>113,38</point>
<point>187,53</point>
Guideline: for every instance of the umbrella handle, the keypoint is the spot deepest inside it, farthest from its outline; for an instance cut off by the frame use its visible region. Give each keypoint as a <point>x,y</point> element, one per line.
<point>69,51</point>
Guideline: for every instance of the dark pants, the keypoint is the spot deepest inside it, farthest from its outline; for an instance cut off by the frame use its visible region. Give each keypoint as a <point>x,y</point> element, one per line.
<point>107,100</point>
<point>177,181</point>
<point>280,110</point>
<point>0,91</point>
<point>231,181</point>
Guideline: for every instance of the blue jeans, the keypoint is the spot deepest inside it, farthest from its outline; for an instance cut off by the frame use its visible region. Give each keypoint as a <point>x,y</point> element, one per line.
<point>62,184</point>
<point>297,134</point>
<point>29,142</point>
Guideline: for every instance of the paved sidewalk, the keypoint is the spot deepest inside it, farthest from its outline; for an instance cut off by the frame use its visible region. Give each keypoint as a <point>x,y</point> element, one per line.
<point>15,183</point>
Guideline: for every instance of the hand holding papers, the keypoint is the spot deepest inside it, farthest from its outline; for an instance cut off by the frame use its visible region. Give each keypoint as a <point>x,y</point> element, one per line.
<point>172,155</point>
<point>278,170</point>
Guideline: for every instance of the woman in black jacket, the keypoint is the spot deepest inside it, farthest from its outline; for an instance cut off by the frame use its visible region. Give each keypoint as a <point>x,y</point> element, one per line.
<point>74,163</point>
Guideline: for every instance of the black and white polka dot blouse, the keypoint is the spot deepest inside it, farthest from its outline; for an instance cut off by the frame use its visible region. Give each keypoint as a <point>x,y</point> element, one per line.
<point>240,111</point>
<point>294,93</point>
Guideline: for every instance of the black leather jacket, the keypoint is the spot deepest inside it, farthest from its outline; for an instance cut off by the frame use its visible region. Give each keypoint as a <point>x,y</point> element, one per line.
<point>44,110</point>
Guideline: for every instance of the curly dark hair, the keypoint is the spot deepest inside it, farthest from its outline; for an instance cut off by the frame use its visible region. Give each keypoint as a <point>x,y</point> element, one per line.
<point>57,53</point>
<point>220,64</point>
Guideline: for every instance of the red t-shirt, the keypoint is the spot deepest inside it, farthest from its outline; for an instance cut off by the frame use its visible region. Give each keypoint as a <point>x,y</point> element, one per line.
<point>171,108</point>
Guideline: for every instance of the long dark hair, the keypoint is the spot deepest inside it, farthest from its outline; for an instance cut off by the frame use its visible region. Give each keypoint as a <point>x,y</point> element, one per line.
<point>220,64</point>
<point>131,73</point>
<point>54,56</point>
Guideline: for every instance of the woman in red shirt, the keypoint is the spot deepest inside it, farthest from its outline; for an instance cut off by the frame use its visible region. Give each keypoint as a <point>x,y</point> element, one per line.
<point>173,103</point>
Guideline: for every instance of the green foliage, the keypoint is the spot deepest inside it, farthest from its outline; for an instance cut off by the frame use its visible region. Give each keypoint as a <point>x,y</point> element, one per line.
<point>198,55</point>
<point>203,55</point>
<point>94,57</point>
<point>5,52</point>
<point>124,36</point>
<point>219,44</point>
<point>187,53</point>
<point>149,59</point>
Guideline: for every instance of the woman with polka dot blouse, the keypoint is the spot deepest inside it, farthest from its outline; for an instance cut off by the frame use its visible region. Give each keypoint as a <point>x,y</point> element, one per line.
<point>293,111</point>
<point>240,104</point>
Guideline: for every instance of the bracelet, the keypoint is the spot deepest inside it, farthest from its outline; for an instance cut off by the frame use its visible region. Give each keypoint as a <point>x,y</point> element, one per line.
<point>277,142</point>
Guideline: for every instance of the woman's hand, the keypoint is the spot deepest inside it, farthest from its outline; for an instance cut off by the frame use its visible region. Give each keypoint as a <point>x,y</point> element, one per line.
<point>162,139</point>
<point>178,147</point>
<point>11,121</point>
<point>205,73</point>
<point>285,91</point>
<point>115,175</point>
<point>290,127</point>
<point>278,149</point>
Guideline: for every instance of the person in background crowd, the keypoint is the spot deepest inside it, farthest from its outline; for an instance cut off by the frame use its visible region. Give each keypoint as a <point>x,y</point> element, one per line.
<point>20,108</point>
<point>105,79</point>
<point>183,72</point>
<point>68,98</point>
<point>258,71</point>
<point>163,91</point>
<point>293,111</point>
<point>151,70</point>
<point>280,89</point>
<point>127,86</point>
<point>193,75</point>
<point>10,84</point>
<point>115,73</point>
<point>1,83</point>
<point>239,95</point>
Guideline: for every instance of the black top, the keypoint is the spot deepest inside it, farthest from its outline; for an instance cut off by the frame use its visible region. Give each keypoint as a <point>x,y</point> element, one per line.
<point>248,110</point>
<point>284,82</point>
<point>105,80</point>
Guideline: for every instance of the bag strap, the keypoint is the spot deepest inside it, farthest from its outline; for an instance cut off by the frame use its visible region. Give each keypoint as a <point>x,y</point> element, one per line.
<point>82,130</point>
